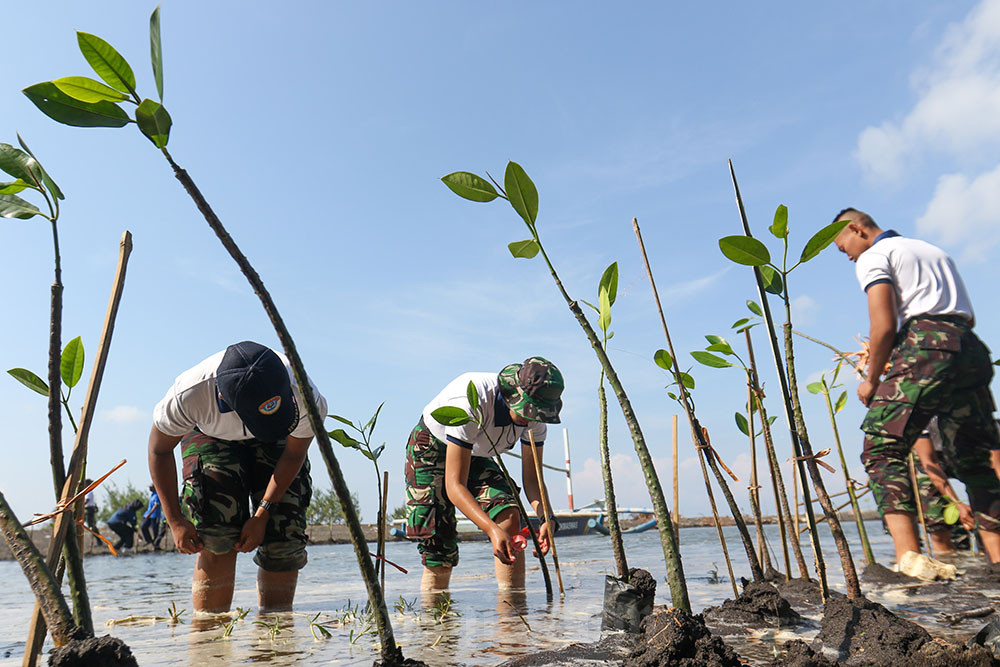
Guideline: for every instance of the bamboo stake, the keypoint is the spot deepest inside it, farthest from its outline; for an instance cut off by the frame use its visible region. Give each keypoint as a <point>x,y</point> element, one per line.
<point>838,508</point>
<point>62,523</point>
<point>786,395</point>
<point>715,516</point>
<point>677,505</point>
<point>381,529</point>
<point>547,512</point>
<point>795,496</point>
<point>527,522</point>
<point>763,555</point>
<point>920,506</point>
<point>697,432</point>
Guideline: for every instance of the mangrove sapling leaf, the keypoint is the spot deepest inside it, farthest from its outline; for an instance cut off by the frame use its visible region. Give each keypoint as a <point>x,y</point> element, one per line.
<point>604,320</point>
<point>687,380</point>
<point>744,250</point>
<point>815,387</point>
<point>340,435</point>
<point>472,394</point>
<point>156,50</point>
<point>370,426</point>
<point>740,323</point>
<point>107,62</point>
<point>12,206</point>
<point>87,90</point>
<point>663,359</point>
<point>50,185</point>
<point>154,122</point>
<point>780,225</point>
<point>821,239</point>
<point>709,359</point>
<point>772,280</point>
<point>526,249</point>
<point>71,364</point>
<point>13,187</point>
<point>341,419</point>
<point>521,193</point>
<point>742,424</point>
<point>718,344</point>
<point>754,308</point>
<point>469,186</point>
<point>19,164</point>
<point>29,380</point>
<point>62,108</point>
<point>609,283</point>
<point>841,402</point>
<point>450,415</point>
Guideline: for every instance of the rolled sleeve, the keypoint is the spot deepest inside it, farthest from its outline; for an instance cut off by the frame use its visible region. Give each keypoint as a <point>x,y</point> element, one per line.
<point>873,268</point>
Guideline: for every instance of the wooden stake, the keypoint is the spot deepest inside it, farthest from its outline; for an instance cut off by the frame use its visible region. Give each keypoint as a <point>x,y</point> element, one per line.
<point>546,510</point>
<point>677,507</point>
<point>381,528</point>
<point>920,507</point>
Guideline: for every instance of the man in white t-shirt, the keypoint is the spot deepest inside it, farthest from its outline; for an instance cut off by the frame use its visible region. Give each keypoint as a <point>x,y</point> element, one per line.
<point>236,416</point>
<point>452,466</point>
<point>921,323</point>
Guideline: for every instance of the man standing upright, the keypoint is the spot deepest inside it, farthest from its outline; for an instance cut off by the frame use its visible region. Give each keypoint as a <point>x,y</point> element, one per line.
<point>242,435</point>
<point>921,323</point>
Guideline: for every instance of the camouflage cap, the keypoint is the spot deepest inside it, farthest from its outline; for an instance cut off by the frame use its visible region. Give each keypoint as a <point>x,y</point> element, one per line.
<point>533,389</point>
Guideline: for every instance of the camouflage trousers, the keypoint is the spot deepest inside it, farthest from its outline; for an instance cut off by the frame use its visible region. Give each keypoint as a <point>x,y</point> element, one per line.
<point>937,367</point>
<point>219,478</point>
<point>431,516</point>
<point>931,501</point>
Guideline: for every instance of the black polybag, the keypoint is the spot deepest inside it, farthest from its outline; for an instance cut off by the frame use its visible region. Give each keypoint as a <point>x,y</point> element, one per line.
<point>624,605</point>
<point>989,636</point>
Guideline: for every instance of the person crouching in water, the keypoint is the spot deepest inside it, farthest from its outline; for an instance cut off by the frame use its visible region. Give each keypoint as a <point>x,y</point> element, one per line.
<point>452,466</point>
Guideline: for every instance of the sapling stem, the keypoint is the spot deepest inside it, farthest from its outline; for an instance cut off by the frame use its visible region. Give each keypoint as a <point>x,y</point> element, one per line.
<point>697,433</point>
<point>920,507</point>
<point>762,555</point>
<point>715,518</point>
<point>783,380</point>
<point>610,503</point>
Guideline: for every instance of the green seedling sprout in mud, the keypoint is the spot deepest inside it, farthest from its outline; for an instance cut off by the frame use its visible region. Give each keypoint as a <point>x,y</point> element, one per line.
<point>699,435</point>
<point>86,102</point>
<point>273,628</point>
<point>521,194</point>
<point>175,616</point>
<point>824,388</point>
<point>238,616</point>
<point>30,176</point>
<point>771,279</point>
<point>607,292</point>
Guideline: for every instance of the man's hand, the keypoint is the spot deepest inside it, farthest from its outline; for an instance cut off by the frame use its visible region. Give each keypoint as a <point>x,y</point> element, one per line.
<point>866,390</point>
<point>186,537</point>
<point>252,534</point>
<point>965,516</point>
<point>503,547</point>
<point>543,539</point>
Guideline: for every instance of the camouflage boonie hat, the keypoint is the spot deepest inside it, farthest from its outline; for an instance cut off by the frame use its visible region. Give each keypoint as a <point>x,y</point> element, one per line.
<point>533,389</point>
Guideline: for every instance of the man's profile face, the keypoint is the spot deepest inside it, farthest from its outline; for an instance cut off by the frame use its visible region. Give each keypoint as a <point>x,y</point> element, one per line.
<point>853,239</point>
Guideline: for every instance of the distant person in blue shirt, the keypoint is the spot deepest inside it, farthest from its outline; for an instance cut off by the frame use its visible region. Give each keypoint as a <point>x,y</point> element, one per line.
<point>123,523</point>
<point>152,520</point>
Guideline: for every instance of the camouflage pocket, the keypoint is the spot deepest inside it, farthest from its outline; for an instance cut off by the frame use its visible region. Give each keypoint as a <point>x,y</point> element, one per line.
<point>935,335</point>
<point>887,418</point>
<point>193,492</point>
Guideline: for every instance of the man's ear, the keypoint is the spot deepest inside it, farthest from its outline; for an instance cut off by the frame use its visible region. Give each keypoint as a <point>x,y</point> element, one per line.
<point>857,228</point>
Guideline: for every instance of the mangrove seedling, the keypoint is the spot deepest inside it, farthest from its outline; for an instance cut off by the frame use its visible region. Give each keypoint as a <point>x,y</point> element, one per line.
<point>521,194</point>
<point>442,609</point>
<point>771,279</point>
<point>238,616</point>
<point>321,628</point>
<point>30,175</point>
<point>85,102</point>
<point>607,292</point>
<point>824,388</point>
<point>273,628</point>
<point>175,616</point>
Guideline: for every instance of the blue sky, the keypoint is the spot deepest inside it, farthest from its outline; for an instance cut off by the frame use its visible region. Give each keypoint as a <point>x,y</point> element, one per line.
<point>319,133</point>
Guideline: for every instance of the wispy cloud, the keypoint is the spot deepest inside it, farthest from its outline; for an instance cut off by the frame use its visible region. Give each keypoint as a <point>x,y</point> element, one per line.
<point>125,414</point>
<point>679,292</point>
<point>965,211</point>
<point>805,309</point>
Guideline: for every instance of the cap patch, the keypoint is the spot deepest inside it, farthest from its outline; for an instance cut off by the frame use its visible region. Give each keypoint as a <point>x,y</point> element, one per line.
<point>270,406</point>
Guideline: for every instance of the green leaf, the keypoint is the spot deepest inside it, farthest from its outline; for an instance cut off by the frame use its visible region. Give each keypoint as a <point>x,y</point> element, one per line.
<point>525,249</point>
<point>521,192</point>
<point>71,364</point>
<point>672,395</point>
<point>377,452</point>
<point>951,514</point>
<point>12,206</point>
<point>87,90</point>
<point>29,380</point>
<point>340,435</point>
<point>663,359</point>
<point>154,122</point>
<point>709,359</point>
<point>50,185</point>
<point>740,322</point>
<point>342,420</point>
<point>718,344</point>
<point>687,380</point>
<point>13,187</point>
<point>742,424</point>
<point>821,239</point>
<point>604,321</point>
<point>20,165</point>
<point>609,282</point>
<point>754,308</point>
<point>771,279</point>
<point>596,309</point>
<point>815,387</point>
<point>107,62</point>
<point>449,415</point>
<point>156,50</point>
<point>744,250</point>
<point>469,186</point>
<point>370,426</point>
<point>780,225</point>
<point>841,402</point>
<point>60,107</point>
<point>472,394</point>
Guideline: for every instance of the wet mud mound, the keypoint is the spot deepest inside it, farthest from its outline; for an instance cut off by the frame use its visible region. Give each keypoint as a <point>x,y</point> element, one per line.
<point>882,576</point>
<point>799,654</point>
<point>675,637</point>
<point>612,648</point>
<point>106,651</point>
<point>758,605</point>
<point>939,653</point>
<point>862,632</point>
<point>799,592</point>
<point>643,581</point>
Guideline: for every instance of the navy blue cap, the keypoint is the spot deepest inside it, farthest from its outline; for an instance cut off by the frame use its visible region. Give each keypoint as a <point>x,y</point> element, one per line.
<point>253,381</point>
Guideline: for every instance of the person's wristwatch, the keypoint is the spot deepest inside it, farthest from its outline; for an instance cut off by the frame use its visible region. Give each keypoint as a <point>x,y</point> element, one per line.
<point>266,505</point>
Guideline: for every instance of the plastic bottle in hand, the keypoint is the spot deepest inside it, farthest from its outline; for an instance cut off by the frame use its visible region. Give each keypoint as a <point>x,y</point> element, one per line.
<point>521,539</point>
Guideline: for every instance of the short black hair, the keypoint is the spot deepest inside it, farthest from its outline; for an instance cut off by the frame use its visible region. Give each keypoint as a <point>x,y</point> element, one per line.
<point>863,217</point>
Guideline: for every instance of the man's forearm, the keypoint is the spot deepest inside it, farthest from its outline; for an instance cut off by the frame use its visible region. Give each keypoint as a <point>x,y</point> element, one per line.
<point>163,470</point>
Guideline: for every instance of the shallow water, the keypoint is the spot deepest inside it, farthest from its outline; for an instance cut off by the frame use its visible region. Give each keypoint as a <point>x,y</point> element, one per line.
<point>488,630</point>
